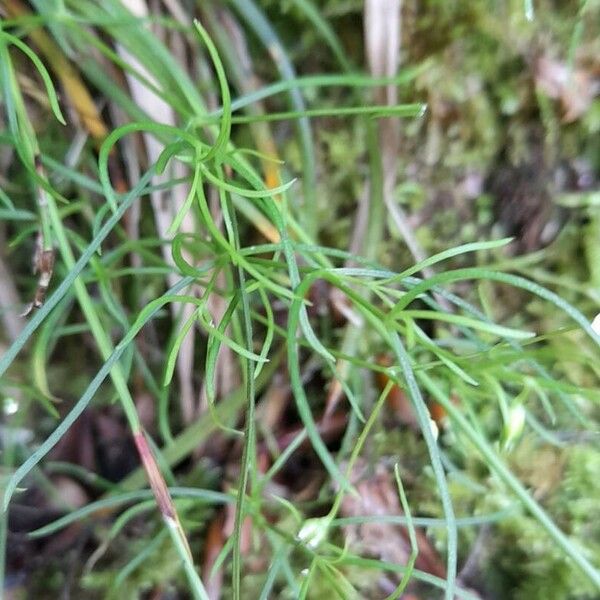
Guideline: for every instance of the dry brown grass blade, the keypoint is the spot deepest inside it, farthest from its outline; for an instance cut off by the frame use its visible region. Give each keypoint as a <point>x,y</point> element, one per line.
<point>44,256</point>
<point>43,266</point>
<point>159,487</point>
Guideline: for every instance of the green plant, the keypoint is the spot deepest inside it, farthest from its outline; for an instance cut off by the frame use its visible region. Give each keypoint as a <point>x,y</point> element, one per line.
<point>255,246</point>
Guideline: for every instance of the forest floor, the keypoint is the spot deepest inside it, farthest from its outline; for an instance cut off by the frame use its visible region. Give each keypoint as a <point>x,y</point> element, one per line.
<point>313,299</point>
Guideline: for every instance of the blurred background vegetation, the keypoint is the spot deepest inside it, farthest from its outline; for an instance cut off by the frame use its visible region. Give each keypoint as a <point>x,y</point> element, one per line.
<point>499,139</point>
